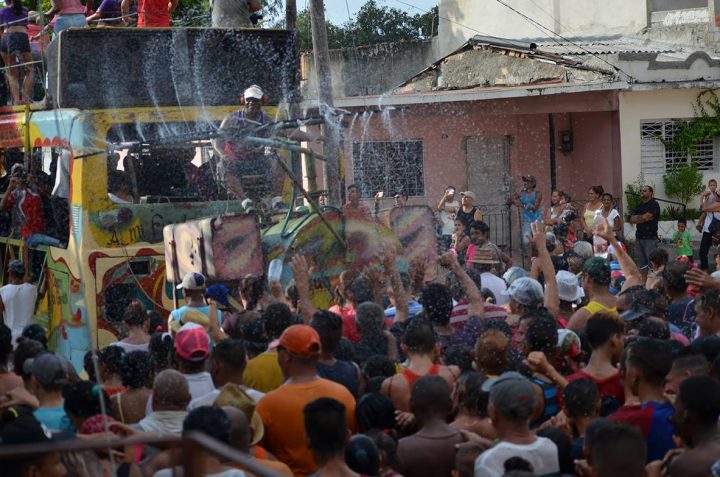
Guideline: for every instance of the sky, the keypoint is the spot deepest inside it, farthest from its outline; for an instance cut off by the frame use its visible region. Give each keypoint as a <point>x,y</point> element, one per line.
<point>336,11</point>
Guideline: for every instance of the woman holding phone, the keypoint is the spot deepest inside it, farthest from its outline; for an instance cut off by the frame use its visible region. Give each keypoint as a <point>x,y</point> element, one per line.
<point>448,208</point>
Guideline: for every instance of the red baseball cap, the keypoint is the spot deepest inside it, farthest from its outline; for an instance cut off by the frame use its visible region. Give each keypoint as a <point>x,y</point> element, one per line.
<point>302,340</point>
<point>192,342</point>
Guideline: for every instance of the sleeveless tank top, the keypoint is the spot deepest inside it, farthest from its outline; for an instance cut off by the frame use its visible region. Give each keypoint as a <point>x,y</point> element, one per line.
<point>593,307</point>
<point>240,149</point>
<point>550,399</point>
<point>410,376</point>
<point>589,216</point>
<point>526,201</point>
<point>466,217</point>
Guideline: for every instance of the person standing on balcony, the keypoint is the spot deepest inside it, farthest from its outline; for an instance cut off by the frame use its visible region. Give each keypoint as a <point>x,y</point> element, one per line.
<point>233,14</point>
<point>15,51</point>
<point>645,217</point>
<point>151,13</point>
<point>68,14</point>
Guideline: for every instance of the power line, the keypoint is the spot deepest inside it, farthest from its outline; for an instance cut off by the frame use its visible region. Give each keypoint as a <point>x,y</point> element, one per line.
<point>539,25</point>
<point>352,36</point>
<point>449,20</point>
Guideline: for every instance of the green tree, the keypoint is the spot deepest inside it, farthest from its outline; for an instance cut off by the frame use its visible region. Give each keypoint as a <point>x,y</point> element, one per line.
<point>191,13</point>
<point>632,193</point>
<point>683,182</point>
<point>374,24</point>
<point>335,34</point>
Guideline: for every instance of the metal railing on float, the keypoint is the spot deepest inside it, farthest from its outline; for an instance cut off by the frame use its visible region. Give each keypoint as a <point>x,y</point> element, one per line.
<point>191,444</point>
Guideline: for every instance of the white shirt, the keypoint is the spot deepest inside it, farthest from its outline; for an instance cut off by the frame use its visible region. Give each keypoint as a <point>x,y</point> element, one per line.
<point>129,347</point>
<point>711,199</point>
<point>610,218</point>
<point>542,455</point>
<point>19,301</point>
<point>62,176</point>
<point>448,218</point>
<point>496,285</point>
<point>199,384</point>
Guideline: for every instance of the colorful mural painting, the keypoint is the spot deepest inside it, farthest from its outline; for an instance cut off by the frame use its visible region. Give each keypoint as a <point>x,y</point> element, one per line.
<point>115,252</point>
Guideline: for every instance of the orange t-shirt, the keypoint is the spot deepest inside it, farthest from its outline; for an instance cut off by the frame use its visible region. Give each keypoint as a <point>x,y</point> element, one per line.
<point>282,414</point>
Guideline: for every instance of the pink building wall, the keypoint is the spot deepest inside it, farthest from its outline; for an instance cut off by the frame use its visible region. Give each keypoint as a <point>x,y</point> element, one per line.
<point>443,127</point>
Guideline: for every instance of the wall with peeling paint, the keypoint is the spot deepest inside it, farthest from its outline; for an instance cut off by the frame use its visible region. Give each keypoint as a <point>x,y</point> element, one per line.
<point>369,70</point>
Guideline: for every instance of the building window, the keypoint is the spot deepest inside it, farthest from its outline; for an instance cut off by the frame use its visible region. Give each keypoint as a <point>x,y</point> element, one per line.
<point>389,167</point>
<point>656,158</point>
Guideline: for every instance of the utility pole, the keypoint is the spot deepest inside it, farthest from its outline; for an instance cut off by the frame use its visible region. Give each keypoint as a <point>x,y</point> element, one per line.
<point>294,101</point>
<point>290,14</point>
<point>331,129</point>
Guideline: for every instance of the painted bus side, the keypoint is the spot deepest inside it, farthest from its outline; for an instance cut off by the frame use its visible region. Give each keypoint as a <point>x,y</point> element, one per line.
<point>115,252</point>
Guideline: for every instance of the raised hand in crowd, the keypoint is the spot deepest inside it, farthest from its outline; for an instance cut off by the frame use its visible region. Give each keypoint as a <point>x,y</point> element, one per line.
<point>416,272</point>
<point>378,281</point>
<point>628,266</point>
<point>701,279</point>
<point>389,260</point>
<point>544,262</point>
<point>302,273</point>
<point>476,304</point>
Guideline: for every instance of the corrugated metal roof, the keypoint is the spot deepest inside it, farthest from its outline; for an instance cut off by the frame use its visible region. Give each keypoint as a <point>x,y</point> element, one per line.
<point>605,47</point>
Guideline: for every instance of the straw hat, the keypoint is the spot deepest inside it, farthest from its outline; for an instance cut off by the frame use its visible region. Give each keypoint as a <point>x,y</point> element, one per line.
<point>233,395</point>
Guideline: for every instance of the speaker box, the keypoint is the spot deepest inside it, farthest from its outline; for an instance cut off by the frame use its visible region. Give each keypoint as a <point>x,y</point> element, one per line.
<point>105,68</point>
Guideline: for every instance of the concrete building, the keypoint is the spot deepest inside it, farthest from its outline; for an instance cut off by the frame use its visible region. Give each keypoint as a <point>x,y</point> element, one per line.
<point>580,94</point>
<point>462,19</point>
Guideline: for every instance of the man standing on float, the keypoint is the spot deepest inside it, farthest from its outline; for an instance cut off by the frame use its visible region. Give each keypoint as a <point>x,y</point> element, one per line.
<point>241,159</point>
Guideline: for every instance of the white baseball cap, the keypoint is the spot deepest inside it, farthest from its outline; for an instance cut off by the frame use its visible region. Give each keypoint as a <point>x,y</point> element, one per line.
<point>253,91</point>
<point>192,281</point>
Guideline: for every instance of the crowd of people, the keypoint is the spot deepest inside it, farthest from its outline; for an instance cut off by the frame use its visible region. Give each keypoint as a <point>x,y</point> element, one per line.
<point>588,364</point>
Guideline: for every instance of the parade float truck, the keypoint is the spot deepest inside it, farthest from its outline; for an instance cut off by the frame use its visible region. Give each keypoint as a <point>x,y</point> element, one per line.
<point>140,104</point>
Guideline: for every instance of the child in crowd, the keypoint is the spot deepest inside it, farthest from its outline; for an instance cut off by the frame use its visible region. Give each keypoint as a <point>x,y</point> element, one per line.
<point>682,240</point>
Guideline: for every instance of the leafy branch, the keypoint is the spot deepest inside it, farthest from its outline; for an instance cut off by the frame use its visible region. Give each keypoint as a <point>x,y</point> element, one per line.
<point>705,125</point>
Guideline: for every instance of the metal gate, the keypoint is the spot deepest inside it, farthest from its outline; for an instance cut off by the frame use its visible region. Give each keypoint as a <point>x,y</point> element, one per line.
<point>487,168</point>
